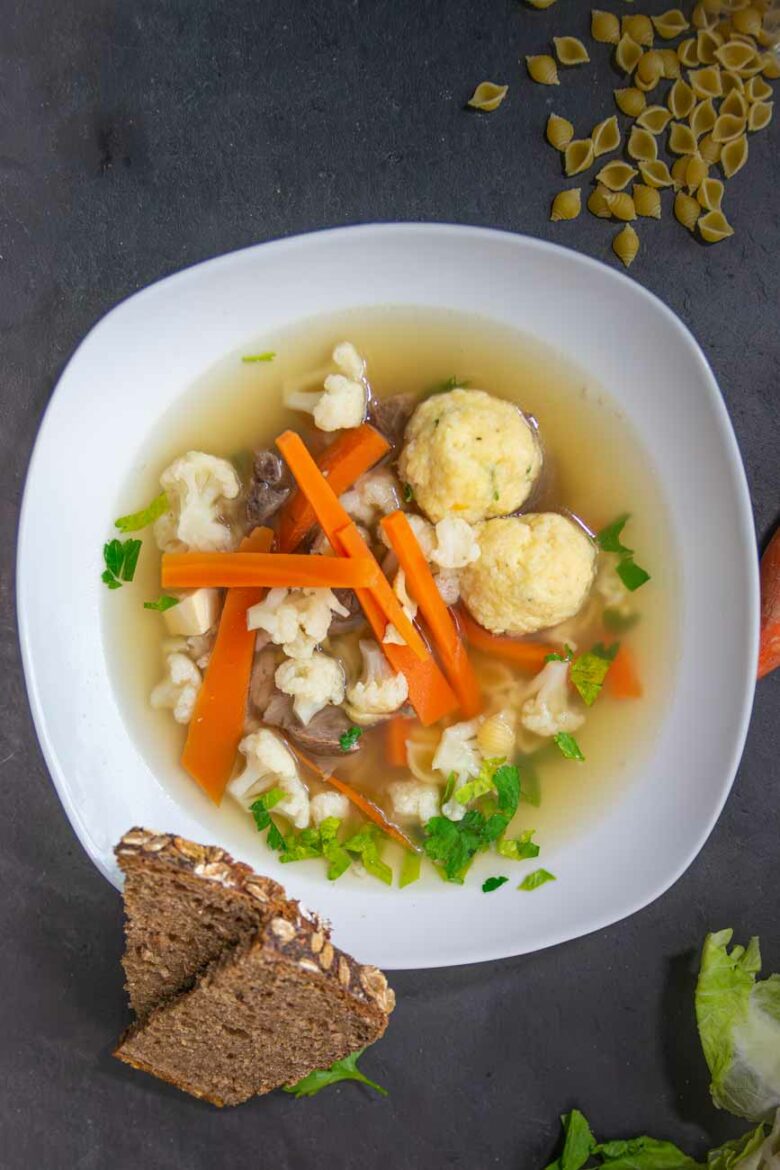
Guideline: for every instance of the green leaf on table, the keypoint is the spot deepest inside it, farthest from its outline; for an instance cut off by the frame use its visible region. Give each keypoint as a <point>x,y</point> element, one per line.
<point>643,1153</point>
<point>342,1070</point>
<point>578,1143</point>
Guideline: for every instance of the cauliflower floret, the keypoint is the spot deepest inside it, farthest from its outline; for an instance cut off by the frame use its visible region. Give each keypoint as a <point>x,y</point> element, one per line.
<point>375,494</point>
<point>456,544</point>
<point>470,455</point>
<point>546,711</point>
<point>328,804</point>
<point>534,571</point>
<point>179,689</point>
<point>269,764</point>
<point>448,584</point>
<point>313,682</point>
<point>414,801</point>
<point>458,752</point>
<point>196,485</point>
<point>296,619</point>
<point>344,400</point>
<point>379,692</point>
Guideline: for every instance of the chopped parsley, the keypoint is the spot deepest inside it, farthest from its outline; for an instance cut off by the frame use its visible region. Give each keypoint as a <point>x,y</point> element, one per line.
<point>410,869</point>
<point>519,848</point>
<point>342,1070</point>
<point>590,669</point>
<point>493,883</point>
<point>538,878</point>
<point>567,655</point>
<point>259,357</point>
<point>305,845</point>
<point>453,845</point>
<point>349,738</point>
<point>163,602</point>
<point>631,574</point>
<point>364,845</point>
<point>568,746</point>
<point>451,383</point>
<point>408,493</point>
<point>121,559</point>
<point>261,808</point>
<point>146,516</point>
<point>609,540</point>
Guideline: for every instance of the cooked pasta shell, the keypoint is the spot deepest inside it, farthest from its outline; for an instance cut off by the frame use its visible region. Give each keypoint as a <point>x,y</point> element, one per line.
<point>559,131</point>
<point>670,64</point>
<point>616,175</point>
<point>630,101</point>
<point>727,127</point>
<point>688,53</point>
<point>710,194</point>
<point>487,96</point>
<point>627,54</point>
<point>620,204</point>
<point>649,70</point>
<point>703,118</point>
<point>570,51</point>
<point>739,58</point>
<point>639,28</point>
<point>747,20</point>
<point>604,27</point>
<point>706,83</point>
<point>567,204</point>
<point>731,82</point>
<point>758,90</point>
<point>681,99</point>
<point>597,202</point>
<point>759,115</point>
<point>626,245</point>
<point>605,136</point>
<point>679,171</point>
<point>542,69</point>
<point>647,201</point>
<point>735,104</point>
<point>686,210</point>
<point>656,174</point>
<point>713,226</point>
<point>682,139</point>
<point>670,23</point>
<point>655,119</point>
<point>578,156</point>
<point>734,155</point>
<point>695,173</point>
<point>642,145</point>
<point>496,736</point>
<point>708,41</point>
<point>770,66</point>
<point>709,149</point>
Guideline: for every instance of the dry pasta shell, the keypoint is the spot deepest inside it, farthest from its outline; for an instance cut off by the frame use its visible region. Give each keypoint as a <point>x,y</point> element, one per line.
<point>578,156</point>
<point>642,145</point>
<point>739,57</point>
<point>747,20</point>
<point>630,101</point>
<point>616,175</point>
<point>713,226</point>
<point>570,51</point>
<point>627,54</point>
<point>706,83</point>
<point>655,119</point>
<point>487,96</point>
<point>759,115</point>
<point>688,53</point>
<point>605,136</point>
<point>620,204</point>
<point>542,69</point>
<point>710,194</point>
<point>670,24</point>
<point>639,28</point>
<point>626,245</point>
<point>710,150</point>
<point>566,204</point>
<point>731,83</point>
<point>708,41</point>
<point>702,18</point>
<point>656,174</point>
<point>686,210</point>
<point>559,131</point>
<point>597,202</point>
<point>758,90</point>
<point>681,99</point>
<point>682,139</point>
<point>647,201</point>
<point>649,70</point>
<point>541,3</point>
<point>670,64</point>
<point>739,38</point>
<point>770,66</point>
<point>728,127</point>
<point>604,27</point>
<point>695,173</point>
<point>703,118</point>
<point>679,171</point>
<point>734,103</point>
<point>734,155</point>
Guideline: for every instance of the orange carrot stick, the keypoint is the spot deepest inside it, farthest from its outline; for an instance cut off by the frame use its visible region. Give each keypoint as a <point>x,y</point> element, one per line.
<point>344,461</point>
<point>397,731</point>
<point>231,570</point>
<point>444,632</point>
<point>622,681</point>
<point>526,655</point>
<point>217,724</point>
<point>769,651</point>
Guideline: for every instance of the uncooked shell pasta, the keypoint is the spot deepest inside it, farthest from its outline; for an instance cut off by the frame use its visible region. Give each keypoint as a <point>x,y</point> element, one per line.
<point>710,194</point>
<point>626,245</point>
<point>681,99</point>
<point>739,58</point>
<point>695,173</point>
<point>688,53</point>
<point>702,18</point>
<point>620,204</point>
<point>770,66</point>
<point>713,226</point>
<point>642,145</point>
<point>578,156</point>
<point>759,115</point>
<point>670,64</point>
<point>649,70</point>
<point>487,96</point>
<point>734,103</point>
<point>656,174</point>
<point>605,136</point>
<point>731,82</point>
<point>679,171</point>
<point>706,83</point>
<point>639,28</point>
<point>541,3</point>
<point>604,27</point>
<point>647,201</point>
<point>616,175</point>
<point>630,101</point>
<point>734,155</point>
<point>710,150</point>
<point>758,90</point>
<point>543,70</point>
<point>570,51</point>
<point>670,24</point>
<point>703,118</point>
<point>597,202</point>
<point>747,20</point>
<point>728,127</point>
<point>686,210</point>
<point>567,204</point>
<point>682,139</point>
<point>559,131</point>
<point>708,41</point>
<point>627,54</point>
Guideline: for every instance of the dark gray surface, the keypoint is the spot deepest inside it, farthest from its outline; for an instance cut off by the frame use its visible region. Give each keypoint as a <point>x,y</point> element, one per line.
<point>144,136</point>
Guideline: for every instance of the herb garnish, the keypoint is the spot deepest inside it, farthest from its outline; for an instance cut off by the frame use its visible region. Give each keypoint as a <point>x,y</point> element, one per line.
<point>410,869</point>
<point>163,602</point>
<point>567,655</point>
<point>135,521</point>
<point>259,357</point>
<point>364,844</point>
<point>609,540</point>
<point>452,845</point>
<point>536,879</point>
<point>493,883</point>
<point>451,383</point>
<point>408,493</point>
<point>589,671</point>
<point>519,848</point>
<point>305,845</point>
<point>121,558</point>
<point>349,738</point>
<point>342,1070</point>
<point>568,746</point>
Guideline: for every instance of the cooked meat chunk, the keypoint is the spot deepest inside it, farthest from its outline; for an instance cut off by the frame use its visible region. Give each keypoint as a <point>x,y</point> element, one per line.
<point>321,734</point>
<point>390,416</point>
<point>261,683</point>
<point>268,489</point>
<point>344,625</point>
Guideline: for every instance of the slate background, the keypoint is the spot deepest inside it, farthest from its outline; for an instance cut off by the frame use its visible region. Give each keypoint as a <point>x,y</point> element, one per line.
<point>141,137</point>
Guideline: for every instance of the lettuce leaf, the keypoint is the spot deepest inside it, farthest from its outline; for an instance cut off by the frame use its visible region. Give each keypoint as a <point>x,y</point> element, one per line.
<point>578,1142</point>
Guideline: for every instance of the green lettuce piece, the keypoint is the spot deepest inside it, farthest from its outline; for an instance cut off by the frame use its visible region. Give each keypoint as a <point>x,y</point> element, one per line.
<point>644,1153</point>
<point>746,1153</point>
<point>738,1017</point>
<point>138,520</point>
<point>364,844</point>
<point>578,1142</point>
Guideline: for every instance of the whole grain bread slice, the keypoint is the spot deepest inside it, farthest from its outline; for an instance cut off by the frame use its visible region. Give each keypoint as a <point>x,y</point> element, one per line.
<point>268,1011</point>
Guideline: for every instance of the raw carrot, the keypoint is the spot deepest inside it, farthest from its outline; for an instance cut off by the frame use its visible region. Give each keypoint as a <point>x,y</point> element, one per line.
<point>452,652</point>
<point>526,655</point>
<point>217,724</point>
<point>397,731</point>
<point>769,651</point>
<point>352,454</point>
<point>622,681</point>
<point>241,569</point>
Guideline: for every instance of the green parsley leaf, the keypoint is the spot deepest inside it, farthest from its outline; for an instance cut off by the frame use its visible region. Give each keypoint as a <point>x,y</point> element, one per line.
<point>578,1142</point>
<point>132,552</point>
<point>349,738</point>
<point>162,603</point>
<point>260,808</point>
<point>536,879</point>
<point>114,555</point>
<point>342,1070</point>
<point>108,578</point>
<point>519,848</point>
<point>568,746</point>
<point>493,883</point>
<point>618,623</point>
<point>410,869</point>
<point>121,558</point>
<point>135,521</point>
<point>631,575</point>
<point>609,538</point>
<point>259,357</point>
<point>275,839</point>
<point>451,383</point>
<point>408,493</point>
<point>453,844</point>
<point>506,781</point>
<point>589,671</point>
<point>364,844</point>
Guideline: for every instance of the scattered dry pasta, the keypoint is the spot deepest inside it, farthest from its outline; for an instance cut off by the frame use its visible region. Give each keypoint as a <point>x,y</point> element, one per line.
<point>701,18</point>
<point>627,54</point>
<point>681,99</point>
<point>647,201</point>
<point>616,175</point>
<point>639,28</point>
<point>687,53</point>
<point>578,156</point>
<point>731,82</point>
<point>710,150</point>
<point>728,127</point>
<point>597,202</point>
<point>679,171</point>
<point>604,27</point>
<point>670,24</point>
<point>682,139</point>
<point>708,41</point>
<point>739,58</point>
<point>710,194</point>
<point>703,118</point>
<point>559,131</point>
<point>642,146</point>
<point>649,70</point>
<point>747,20</point>
<point>630,101</point>
<point>543,70</point>
<point>541,3</point>
<point>713,226</point>
<point>605,136</point>
<point>734,155</point>
<point>734,103</point>
<point>654,119</point>
<point>686,210</point>
<point>626,245</point>
<point>758,90</point>
<point>487,96</point>
<point>695,173</point>
<point>759,115</point>
<point>706,83</point>
<point>620,204</point>
<point>770,66</point>
<point>566,204</point>
<point>570,51</point>
<point>670,63</point>
<point>656,174</point>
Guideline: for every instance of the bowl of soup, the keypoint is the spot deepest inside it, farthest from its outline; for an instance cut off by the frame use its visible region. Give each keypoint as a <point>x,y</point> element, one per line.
<point>394,560</point>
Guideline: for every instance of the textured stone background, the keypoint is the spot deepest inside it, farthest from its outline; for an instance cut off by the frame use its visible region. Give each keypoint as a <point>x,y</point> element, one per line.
<point>140,137</point>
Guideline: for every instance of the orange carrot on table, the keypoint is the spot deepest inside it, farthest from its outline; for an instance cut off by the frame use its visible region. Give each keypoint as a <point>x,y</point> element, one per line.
<point>769,647</point>
<point>294,571</point>
<point>526,655</point>
<point>397,731</point>
<point>452,652</point>
<point>217,724</point>
<point>622,681</point>
<point>352,454</point>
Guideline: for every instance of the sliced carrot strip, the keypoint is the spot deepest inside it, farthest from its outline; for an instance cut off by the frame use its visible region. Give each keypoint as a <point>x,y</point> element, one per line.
<point>526,655</point>
<point>217,724</point>
<point>769,652</point>
<point>397,731</point>
<point>352,454</point>
<point>229,570</point>
<point>452,653</point>
<point>622,681</point>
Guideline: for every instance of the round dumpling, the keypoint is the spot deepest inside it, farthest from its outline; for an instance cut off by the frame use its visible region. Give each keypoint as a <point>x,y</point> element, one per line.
<point>533,572</point>
<point>470,455</point>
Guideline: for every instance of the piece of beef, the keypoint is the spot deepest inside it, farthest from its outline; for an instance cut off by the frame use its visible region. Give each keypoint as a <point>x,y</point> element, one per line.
<point>261,682</point>
<point>321,734</point>
<point>268,489</point>
<point>355,618</point>
<point>390,416</point>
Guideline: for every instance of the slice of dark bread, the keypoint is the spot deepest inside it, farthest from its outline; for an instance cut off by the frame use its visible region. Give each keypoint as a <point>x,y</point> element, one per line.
<point>184,905</point>
<point>268,1011</point>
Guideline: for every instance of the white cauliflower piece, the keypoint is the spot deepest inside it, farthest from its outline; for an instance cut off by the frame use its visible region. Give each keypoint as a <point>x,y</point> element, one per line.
<point>456,544</point>
<point>343,402</point>
<point>375,494</point>
<point>269,764</point>
<point>197,485</point>
<point>328,804</point>
<point>349,361</point>
<point>458,752</point>
<point>179,689</point>
<point>379,691</point>
<point>448,584</point>
<point>296,619</point>
<point>313,682</point>
<point>546,710</point>
<point>611,589</point>
<point>414,801</point>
